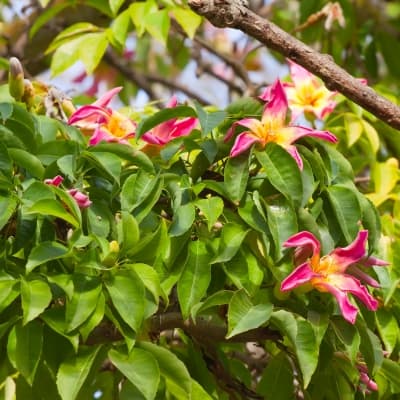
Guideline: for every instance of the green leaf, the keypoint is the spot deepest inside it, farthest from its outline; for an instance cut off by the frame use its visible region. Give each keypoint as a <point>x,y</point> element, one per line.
<point>161,116</point>
<point>388,329</point>
<point>209,120</point>
<point>138,12</point>
<point>301,334</point>
<point>8,206</point>
<point>120,27</point>
<point>130,232</point>
<point>282,171</point>
<point>27,161</point>
<point>183,220</point>
<point>35,297</point>
<point>44,252</point>
<point>391,370</point>
<point>6,110</point>
<point>126,152</point>
<point>73,372</point>
<point>115,5</point>
<point>174,371</point>
<point>46,15</point>
<point>141,368</point>
<point>195,278</point>
<point>84,300</point>
<point>346,209</point>
<point>106,163</point>
<point>236,175</point>
<point>232,237</point>
<point>9,290</point>
<point>217,299</point>
<point>29,341</point>
<point>136,188</point>
<point>277,379</point>
<point>157,24</point>
<point>188,20</point>
<point>52,207</point>
<point>88,48</point>
<point>150,279</point>
<point>244,316</point>
<point>211,208</point>
<point>127,294</point>
<point>282,223</point>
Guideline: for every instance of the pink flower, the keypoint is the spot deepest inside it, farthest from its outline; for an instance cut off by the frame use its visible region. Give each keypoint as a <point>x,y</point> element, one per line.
<point>337,272</point>
<point>171,129</point>
<point>81,199</point>
<point>102,123</point>
<point>307,94</point>
<point>273,127</point>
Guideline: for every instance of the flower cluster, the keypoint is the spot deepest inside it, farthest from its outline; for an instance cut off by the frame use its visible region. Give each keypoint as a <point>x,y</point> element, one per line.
<point>106,124</point>
<point>337,272</point>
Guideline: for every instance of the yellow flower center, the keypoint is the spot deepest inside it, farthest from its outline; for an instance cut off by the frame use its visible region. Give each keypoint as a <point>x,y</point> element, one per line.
<point>119,125</point>
<point>310,96</point>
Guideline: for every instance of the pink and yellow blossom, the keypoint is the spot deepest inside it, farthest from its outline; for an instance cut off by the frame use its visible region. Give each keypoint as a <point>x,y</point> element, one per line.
<point>273,127</point>
<point>307,94</point>
<point>338,272</point>
<point>103,123</point>
<point>170,129</point>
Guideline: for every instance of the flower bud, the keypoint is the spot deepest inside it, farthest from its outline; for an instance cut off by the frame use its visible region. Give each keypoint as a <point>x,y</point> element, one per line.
<point>16,79</point>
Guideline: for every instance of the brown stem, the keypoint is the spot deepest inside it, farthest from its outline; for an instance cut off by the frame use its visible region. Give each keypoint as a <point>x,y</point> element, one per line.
<point>235,14</point>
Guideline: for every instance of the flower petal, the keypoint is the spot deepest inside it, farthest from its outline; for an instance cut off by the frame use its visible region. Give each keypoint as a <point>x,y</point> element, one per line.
<point>373,261</point>
<point>301,131</point>
<point>304,239</point>
<point>295,154</point>
<point>353,253</point>
<point>352,285</point>
<point>183,127</point>
<point>100,135</point>
<point>149,137</point>
<point>298,73</point>
<point>348,310</point>
<point>56,181</point>
<point>365,278</point>
<point>276,108</point>
<point>243,141</point>
<point>302,274</point>
<point>173,101</point>
<point>105,99</point>
<point>89,114</point>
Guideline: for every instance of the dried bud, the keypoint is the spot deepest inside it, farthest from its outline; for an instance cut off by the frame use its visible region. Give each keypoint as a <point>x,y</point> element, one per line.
<point>16,79</point>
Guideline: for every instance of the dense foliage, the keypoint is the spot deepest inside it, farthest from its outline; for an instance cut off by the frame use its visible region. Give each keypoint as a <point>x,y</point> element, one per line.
<point>192,251</point>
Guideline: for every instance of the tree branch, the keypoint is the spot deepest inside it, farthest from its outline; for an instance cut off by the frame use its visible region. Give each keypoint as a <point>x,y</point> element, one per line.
<point>235,14</point>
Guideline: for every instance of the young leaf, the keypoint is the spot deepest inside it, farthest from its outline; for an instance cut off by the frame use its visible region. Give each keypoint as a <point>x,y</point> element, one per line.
<point>141,368</point>
<point>157,24</point>
<point>188,20</point>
